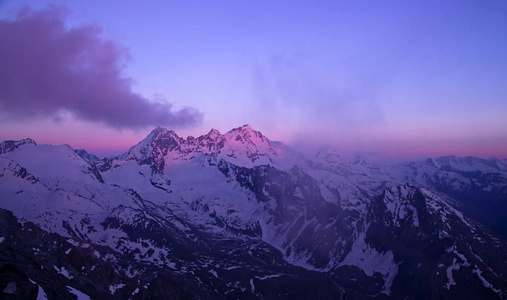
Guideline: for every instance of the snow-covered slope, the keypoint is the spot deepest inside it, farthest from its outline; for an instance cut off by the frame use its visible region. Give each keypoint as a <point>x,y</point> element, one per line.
<point>237,215</point>
<point>477,186</point>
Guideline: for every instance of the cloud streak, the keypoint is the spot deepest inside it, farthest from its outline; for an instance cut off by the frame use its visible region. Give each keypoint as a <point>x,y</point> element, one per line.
<point>292,91</point>
<point>47,69</point>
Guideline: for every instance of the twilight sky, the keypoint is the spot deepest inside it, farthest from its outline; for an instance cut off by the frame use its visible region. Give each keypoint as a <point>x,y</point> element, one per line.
<point>402,79</point>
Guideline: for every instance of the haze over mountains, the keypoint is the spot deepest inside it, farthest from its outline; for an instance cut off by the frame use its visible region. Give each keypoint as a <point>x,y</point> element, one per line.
<point>235,215</point>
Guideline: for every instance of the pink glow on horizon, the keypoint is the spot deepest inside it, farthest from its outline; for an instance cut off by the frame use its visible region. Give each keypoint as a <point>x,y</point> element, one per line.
<point>412,81</point>
<point>105,141</point>
<point>95,139</point>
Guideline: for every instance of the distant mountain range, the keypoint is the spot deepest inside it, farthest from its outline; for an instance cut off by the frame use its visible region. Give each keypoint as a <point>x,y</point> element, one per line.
<point>237,216</point>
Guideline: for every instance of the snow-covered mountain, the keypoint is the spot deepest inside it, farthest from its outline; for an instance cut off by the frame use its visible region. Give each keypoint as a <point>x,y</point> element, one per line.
<point>242,146</point>
<point>477,186</point>
<point>236,215</point>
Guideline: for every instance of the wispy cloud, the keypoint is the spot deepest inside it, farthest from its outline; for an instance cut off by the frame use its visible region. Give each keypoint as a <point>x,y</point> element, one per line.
<point>290,89</point>
<point>286,83</point>
<point>47,69</point>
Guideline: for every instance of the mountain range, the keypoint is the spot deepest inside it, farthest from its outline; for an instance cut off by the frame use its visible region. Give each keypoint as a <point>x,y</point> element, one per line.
<point>237,216</point>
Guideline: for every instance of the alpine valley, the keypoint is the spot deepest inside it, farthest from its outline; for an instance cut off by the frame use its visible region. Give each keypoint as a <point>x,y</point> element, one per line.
<point>237,216</point>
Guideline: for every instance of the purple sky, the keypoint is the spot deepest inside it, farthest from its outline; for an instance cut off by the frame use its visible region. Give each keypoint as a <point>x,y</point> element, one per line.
<point>397,78</point>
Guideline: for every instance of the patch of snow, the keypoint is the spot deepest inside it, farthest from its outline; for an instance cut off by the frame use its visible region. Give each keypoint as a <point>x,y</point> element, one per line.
<point>41,294</point>
<point>73,243</point>
<point>2,239</point>
<point>484,281</point>
<point>370,261</point>
<point>268,276</point>
<point>80,295</point>
<point>462,257</point>
<point>135,291</point>
<point>214,273</point>
<point>398,204</point>
<point>460,215</point>
<point>451,281</point>
<point>63,271</point>
<point>298,193</point>
<point>68,251</point>
<point>113,288</point>
<point>252,286</point>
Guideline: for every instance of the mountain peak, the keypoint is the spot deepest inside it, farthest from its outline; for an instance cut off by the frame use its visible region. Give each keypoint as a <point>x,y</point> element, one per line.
<point>10,145</point>
<point>246,132</point>
<point>162,147</point>
<point>244,128</point>
<point>468,163</point>
<point>161,131</point>
<point>329,155</point>
<point>214,134</point>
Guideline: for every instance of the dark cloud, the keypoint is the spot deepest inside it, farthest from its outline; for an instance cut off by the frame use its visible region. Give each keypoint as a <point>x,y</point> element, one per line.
<point>47,69</point>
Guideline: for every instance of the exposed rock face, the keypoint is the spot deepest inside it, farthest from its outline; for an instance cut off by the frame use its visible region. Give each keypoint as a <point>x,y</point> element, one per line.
<point>9,146</point>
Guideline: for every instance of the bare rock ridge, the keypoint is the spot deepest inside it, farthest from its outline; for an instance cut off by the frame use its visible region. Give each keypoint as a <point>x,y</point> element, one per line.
<point>163,146</point>
<point>9,146</point>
